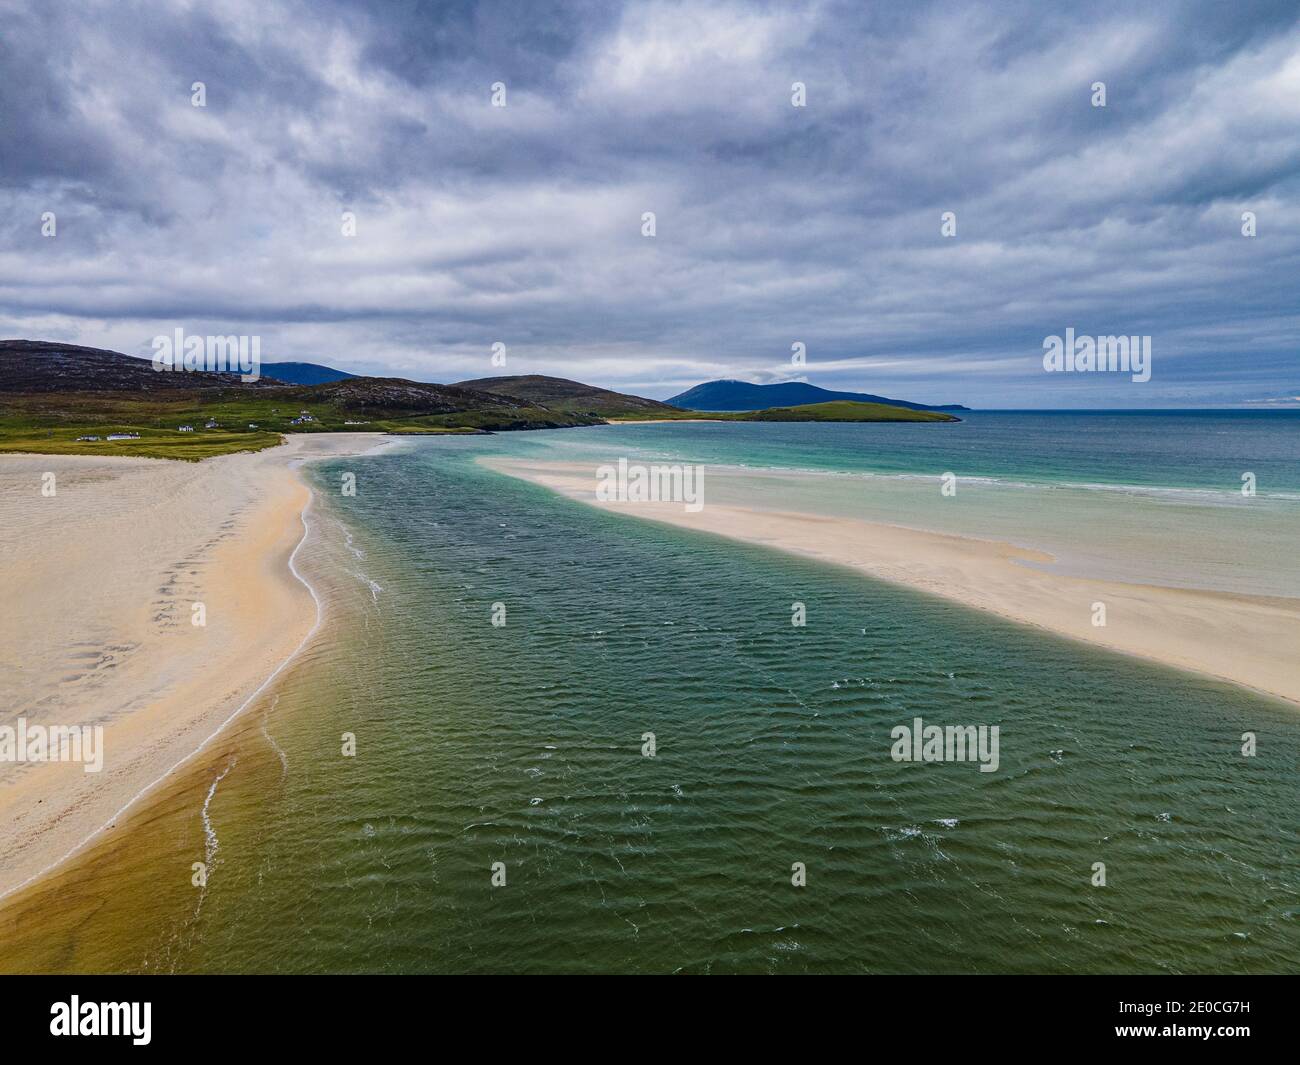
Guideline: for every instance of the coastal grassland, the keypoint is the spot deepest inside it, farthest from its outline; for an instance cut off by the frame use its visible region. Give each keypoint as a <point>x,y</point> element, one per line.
<point>152,443</point>
<point>490,420</point>
<point>253,419</point>
<point>672,415</point>
<point>49,423</point>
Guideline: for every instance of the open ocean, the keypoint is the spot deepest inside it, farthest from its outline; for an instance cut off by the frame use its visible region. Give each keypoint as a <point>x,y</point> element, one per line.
<point>522,744</point>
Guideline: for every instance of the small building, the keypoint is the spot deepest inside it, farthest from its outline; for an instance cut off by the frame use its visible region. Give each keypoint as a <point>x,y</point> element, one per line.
<point>186,429</point>
<point>89,438</point>
<point>123,436</point>
<point>252,425</point>
<point>211,423</point>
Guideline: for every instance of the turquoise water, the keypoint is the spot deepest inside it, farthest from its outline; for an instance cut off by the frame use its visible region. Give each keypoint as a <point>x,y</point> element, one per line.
<point>1165,449</point>
<point>522,744</point>
<point>1098,492</point>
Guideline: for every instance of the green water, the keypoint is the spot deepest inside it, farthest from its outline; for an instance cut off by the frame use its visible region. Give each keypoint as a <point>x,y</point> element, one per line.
<point>522,744</point>
<point>1144,497</point>
<point>1131,451</point>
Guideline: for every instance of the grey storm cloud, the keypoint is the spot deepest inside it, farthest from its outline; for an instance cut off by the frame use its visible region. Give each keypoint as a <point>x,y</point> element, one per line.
<point>775,224</point>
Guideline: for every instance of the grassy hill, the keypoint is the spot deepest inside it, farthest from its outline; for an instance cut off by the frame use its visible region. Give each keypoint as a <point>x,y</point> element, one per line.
<point>741,395</point>
<point>558,393</point>
<point>51,394</point>
<point>41,366</point>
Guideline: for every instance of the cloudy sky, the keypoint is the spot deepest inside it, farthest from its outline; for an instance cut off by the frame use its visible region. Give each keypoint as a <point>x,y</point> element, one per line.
<point>774,224</point>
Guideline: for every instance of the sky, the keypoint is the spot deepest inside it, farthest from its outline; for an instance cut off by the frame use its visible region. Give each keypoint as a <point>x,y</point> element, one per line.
<point>775,225</point>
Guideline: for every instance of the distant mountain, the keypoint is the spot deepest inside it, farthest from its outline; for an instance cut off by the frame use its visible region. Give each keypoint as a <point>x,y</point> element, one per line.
<point>557,393</point>
<point>395,397</point>
<point>68,398</point>
<point>303,373</point>
<point>33,366</point>
<point>48,366</point>
<point>741,395</point>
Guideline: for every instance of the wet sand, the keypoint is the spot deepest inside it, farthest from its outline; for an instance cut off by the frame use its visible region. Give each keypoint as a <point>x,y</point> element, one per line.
<point>102,581</point>
<point>1248,640</point>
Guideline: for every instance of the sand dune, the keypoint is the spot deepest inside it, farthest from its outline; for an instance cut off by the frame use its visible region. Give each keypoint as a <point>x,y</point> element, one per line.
<point>1248,640</point>
<point>101,581</point>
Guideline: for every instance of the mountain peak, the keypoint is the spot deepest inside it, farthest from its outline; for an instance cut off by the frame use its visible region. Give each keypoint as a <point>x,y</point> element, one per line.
<point>729,395</point>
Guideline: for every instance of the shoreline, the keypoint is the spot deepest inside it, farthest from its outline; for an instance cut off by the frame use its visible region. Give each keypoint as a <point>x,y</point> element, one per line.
<point>161,699</point>
<point>1246,640</point>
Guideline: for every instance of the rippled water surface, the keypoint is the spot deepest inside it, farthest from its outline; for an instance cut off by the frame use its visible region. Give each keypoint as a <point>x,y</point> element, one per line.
<point>522,744</point>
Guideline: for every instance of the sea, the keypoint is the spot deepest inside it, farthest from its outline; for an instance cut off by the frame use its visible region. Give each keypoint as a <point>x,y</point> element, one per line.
<point>532,736</point>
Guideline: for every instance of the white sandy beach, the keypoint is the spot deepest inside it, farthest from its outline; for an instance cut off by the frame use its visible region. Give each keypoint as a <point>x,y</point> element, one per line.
<point>100,581</point>
<point>1248,640</point>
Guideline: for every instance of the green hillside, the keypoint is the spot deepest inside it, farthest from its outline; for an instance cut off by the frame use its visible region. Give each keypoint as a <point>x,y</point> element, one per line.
<point>53,397</point>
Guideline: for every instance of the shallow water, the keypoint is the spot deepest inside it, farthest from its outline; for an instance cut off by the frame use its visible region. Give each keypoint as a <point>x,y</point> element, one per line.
<point>1115,450</point>
<point>1141,497</point>
<point>522,744</point>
